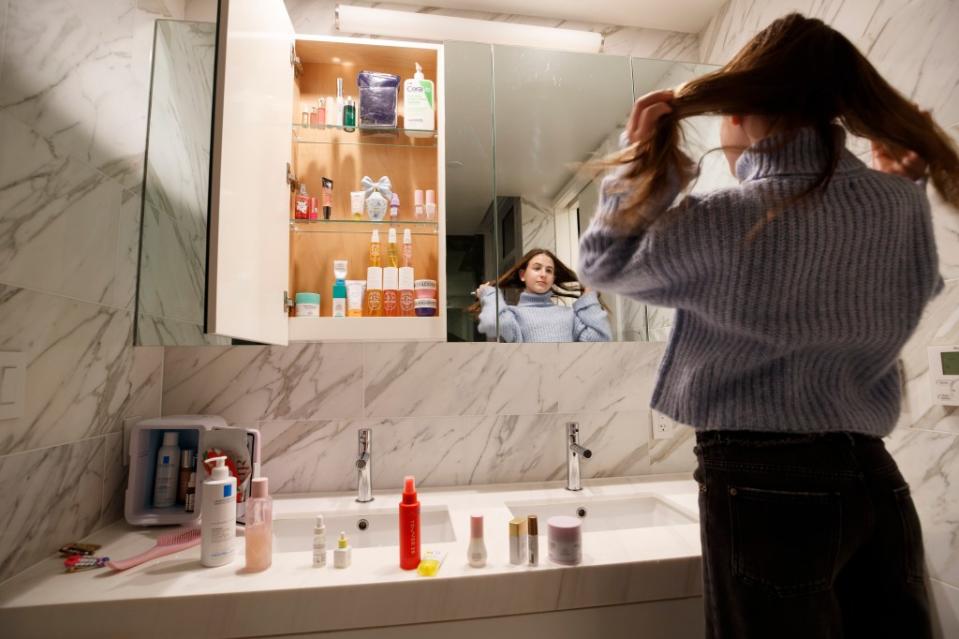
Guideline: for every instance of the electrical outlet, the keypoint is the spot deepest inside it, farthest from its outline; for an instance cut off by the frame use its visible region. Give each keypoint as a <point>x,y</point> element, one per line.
<point>663,427</point>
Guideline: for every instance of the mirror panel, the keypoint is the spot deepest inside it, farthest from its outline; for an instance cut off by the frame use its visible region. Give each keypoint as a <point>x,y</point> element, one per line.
<point>471,225</point>
<point>172,280</point>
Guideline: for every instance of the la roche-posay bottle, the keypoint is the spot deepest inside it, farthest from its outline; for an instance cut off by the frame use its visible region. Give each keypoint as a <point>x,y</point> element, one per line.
<point>164,486</point>
<point>218,516</point>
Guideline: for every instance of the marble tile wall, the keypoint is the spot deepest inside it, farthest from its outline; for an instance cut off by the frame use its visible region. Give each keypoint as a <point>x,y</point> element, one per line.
<point>913,44</point>
<point>450,414</point>
<point>74,79</point>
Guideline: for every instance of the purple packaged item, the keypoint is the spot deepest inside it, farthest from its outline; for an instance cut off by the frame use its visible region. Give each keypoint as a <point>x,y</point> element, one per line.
<point>378,94</point>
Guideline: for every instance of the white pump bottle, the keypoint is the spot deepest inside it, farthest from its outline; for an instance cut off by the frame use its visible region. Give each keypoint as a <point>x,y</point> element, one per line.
<point>218,519</point>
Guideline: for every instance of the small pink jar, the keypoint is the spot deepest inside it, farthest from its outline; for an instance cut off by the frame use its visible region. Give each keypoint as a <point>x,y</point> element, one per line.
<point>425,289</point>
<point>565,540</point>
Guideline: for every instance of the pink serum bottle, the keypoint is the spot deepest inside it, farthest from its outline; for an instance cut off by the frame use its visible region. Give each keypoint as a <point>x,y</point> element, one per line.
<point>259,527</point>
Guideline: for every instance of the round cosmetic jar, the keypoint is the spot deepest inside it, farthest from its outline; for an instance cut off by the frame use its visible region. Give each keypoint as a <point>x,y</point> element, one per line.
<point>425,307</point>
<point>565,540</point>
<point>307,304</point>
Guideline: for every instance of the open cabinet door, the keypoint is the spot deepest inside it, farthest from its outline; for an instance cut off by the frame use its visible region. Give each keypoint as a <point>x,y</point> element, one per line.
<point>248,252</point>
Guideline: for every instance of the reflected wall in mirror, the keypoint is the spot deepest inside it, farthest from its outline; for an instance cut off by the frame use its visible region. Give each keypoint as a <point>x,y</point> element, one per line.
<point>471,238</point>
<point>554,112</point>
<point>172,281</point>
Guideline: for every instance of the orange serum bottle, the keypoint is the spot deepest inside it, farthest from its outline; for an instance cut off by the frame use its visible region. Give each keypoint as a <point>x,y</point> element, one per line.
<point>409,526</point>
<point>391,293</point>
<point>373,306</point>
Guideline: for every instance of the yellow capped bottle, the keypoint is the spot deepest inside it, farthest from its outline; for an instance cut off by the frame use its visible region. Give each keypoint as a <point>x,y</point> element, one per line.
<point>392,254</point>
<point>375,249</point>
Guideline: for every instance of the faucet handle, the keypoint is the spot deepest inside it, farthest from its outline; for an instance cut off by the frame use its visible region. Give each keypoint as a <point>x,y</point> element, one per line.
<point>365,439</point>
<point>572,431</point>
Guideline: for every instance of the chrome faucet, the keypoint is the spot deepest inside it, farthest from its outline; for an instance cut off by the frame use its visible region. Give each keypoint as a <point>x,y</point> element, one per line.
<point>364,466</point>
<point>573,453</point>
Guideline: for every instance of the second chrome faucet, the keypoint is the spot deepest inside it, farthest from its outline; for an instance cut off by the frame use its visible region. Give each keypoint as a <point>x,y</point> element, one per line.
<point>364,466</point>
<point>573,452</point>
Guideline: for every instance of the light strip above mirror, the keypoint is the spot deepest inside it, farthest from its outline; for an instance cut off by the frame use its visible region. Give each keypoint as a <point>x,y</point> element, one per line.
<point>426,26</point>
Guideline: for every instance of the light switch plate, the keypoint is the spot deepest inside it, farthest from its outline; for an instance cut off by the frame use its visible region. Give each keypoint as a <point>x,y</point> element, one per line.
<point>13,384</point>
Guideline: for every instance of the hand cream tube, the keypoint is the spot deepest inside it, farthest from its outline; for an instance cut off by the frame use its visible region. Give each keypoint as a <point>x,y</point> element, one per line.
<point>354,297</point>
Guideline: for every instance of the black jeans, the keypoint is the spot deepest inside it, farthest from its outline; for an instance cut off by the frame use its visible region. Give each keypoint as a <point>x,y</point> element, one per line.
<point>808,536</point>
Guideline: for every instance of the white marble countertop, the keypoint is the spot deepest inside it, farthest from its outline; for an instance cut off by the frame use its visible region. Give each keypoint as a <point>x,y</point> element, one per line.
<point>176,596</point>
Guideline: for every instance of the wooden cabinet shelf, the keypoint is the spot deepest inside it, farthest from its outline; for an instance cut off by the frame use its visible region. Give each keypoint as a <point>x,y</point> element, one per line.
<point>364,227</point>
<point>363,135</point>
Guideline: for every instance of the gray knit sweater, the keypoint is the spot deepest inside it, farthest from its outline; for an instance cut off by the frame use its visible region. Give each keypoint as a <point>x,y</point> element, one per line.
<point>799,330</point>
<point>537,318</point>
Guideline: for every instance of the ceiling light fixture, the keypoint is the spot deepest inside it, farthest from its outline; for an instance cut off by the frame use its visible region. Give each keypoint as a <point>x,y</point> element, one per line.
<point>427,26</point>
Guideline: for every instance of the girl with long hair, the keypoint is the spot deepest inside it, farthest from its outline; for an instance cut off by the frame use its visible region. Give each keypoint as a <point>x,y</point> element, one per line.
<point>795,293</point>
<point>538,317</point>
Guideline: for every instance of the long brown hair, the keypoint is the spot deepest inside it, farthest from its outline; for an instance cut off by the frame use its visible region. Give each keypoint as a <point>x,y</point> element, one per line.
<point>798,72</point>
<point>566,283</point>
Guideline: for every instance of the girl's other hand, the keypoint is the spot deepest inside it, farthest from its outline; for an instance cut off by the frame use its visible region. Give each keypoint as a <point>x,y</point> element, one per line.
<point>646,113</point>
<point>909,165</point>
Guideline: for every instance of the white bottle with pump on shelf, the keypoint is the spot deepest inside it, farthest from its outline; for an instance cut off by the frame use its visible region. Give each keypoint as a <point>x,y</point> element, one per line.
<point>419,102</point>
<point>218,516</point>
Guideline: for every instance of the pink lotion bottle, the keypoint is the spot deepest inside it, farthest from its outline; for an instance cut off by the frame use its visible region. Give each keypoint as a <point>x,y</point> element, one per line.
<point>259,527</point>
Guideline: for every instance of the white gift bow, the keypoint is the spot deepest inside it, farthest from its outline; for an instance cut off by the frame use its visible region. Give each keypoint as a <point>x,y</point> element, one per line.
<point>383,186</point>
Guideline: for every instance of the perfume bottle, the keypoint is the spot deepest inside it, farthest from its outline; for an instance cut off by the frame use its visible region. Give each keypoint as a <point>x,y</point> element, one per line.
<point>305,115</point>
<point>392,255</point>
<point>391,292</point>
<point>430,205</point>
<point>340,103</point>
<point>375,248</point>
<point>394,207</point>
<point>301,209</point>
<point>330,112</point>
<point>374,292</point>
<point>320,113</point>
<point>418,204</point>
<point>407,248</point>
<point>349,116</point>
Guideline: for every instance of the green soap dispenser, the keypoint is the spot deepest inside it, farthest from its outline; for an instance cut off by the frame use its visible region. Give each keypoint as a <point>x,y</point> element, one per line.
<point>339,288</point>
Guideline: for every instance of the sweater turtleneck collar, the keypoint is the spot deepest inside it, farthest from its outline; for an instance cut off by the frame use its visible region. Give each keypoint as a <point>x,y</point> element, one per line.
<point>799,152</point>
<point>536,299</point>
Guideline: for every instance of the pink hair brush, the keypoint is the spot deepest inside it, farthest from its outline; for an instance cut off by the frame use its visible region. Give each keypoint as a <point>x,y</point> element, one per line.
<point>167,544</point>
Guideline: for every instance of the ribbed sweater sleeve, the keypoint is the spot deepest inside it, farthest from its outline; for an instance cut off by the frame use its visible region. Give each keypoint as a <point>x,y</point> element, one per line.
<point>659,265</point>
<point>798,328</point>
<point>509,327</point>
<point>590,319</point>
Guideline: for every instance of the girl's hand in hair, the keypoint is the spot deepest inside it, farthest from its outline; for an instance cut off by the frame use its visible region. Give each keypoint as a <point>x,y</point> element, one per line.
<point>646,113</point>
<point>909,165</point>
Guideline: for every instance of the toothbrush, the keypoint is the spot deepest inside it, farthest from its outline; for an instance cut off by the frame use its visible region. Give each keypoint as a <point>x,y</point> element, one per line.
<point>167,544</point>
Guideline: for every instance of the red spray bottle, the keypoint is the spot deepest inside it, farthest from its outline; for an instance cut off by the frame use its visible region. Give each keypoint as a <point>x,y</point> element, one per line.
<point>409,526</point>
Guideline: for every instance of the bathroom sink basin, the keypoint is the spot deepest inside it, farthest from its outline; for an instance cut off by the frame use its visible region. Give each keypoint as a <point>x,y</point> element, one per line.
<point>294,533</point>
<point>605,513</point>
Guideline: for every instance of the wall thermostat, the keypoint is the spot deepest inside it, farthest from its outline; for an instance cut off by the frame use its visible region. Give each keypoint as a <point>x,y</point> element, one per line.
<point>944,374</point>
